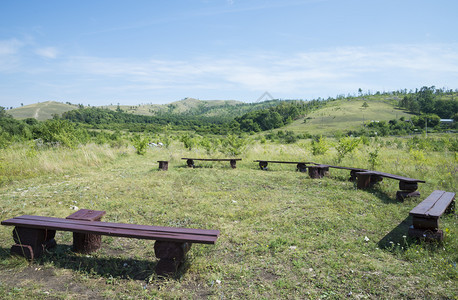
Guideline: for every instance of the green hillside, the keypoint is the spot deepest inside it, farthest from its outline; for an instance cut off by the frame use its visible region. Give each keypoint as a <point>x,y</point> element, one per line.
<point>347,114</point>
<point>41,111</point>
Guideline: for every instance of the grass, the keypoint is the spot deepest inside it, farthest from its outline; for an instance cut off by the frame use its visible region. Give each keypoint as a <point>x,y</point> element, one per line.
<point>283,235</point>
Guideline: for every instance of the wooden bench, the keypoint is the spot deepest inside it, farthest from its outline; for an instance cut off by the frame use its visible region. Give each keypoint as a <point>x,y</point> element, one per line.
<point>233,161</point>
<point>300,166</point>
<point>34,234</point>
<point>425,216</point>
<point>353,171</point>
<point>163,165</point>
<point>408,186</point>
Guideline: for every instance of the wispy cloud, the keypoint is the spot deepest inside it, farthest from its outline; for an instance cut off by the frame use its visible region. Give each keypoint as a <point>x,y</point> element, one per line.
<point>11,46</point>
<point>47,52</point>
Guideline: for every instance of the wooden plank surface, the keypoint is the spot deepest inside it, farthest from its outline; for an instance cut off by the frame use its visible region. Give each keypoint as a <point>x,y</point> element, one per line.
<point>87,215</point>
<point>392,176</point>
<point>424,206</point>
<point>441,205</point>
<point>284,162</point>
<point>213,159</point>
<point>345,168</point>
<point>117,229</point>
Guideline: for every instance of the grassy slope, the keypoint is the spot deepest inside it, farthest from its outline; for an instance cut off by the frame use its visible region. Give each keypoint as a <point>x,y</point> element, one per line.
<point>344,115</point>
<point>41,111</point>
<point>282,233</point>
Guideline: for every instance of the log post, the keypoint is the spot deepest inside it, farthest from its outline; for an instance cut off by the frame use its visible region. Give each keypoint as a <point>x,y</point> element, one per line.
<point>263,165</point>
<point>364,181</point>
<point>190,163</point>
<point>163,165</point>
<point>171,255</point>
<point>407,190</point>
<point>84,242</point>
<point>30,242</point>
<point>301,167</point>
<point>233,163</point>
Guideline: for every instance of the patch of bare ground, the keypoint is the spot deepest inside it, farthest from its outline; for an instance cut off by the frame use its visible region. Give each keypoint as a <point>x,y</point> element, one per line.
<point>52,284</point>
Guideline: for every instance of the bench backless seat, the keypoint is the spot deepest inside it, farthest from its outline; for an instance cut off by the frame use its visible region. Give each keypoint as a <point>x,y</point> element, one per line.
<point>33,234</point>
<point>232,161</point>
<point>425,216</point>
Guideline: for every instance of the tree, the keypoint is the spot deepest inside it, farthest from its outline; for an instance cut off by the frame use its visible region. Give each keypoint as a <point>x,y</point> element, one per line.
<point>365,105</point>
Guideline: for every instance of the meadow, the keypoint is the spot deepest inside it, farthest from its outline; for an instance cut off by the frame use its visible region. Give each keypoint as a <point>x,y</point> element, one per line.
<point>283,234</point>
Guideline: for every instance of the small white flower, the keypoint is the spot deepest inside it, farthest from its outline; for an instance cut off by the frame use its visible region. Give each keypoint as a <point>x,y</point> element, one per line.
<point>366,239</point>
<point>218,281</point>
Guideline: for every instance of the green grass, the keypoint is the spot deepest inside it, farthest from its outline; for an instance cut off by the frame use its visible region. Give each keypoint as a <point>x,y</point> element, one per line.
<point>40,111</point>
<point>283,235</point>
<point>346,115</point>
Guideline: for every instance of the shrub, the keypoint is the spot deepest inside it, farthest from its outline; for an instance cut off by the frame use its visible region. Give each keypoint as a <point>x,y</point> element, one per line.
<point>320,146</point>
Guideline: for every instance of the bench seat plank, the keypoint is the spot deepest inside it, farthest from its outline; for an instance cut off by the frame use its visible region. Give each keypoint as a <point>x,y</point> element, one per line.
<point>343,168</point>
<point>284,162</point>
<point>117,229</point>
<point>392,176</point>
<point>213,159</point>
<point>434,205</point>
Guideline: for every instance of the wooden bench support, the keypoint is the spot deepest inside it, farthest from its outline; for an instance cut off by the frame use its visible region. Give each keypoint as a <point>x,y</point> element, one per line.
<point>31,242</point>
<point>425,216</point>
<point>171,255</point>
<point>163,165</point>
<point>263,165</point>
<point>190,163</point>
<point>233,163</point>
<point>301,167</point>
<point>318,171</point>
<point>85,242</point>
<point>407,190</point>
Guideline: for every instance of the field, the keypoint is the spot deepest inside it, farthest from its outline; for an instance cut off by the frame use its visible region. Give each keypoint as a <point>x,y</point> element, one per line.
<point>283,235</point>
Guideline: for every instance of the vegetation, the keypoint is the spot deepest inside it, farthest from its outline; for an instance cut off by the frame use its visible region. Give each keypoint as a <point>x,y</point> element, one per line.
<point>283,235</point>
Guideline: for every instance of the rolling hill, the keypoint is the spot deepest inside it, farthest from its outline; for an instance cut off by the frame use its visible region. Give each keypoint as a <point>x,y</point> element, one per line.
<point>347,114</point>
<point>40,111</point>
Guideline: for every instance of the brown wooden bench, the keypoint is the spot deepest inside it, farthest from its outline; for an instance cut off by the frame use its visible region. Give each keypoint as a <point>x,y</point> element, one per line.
<point>425,216</point>
<point>163,165</point>
<point>33,234</point>
<point>300,166</point>
<point>232,161</point>
<point>324,167</point>
<point>408,186</point>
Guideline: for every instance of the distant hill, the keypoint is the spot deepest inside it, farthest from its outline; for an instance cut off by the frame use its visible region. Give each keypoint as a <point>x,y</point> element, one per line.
<point>348,114</point>
<point>40,111</point>
<point>196,107</point>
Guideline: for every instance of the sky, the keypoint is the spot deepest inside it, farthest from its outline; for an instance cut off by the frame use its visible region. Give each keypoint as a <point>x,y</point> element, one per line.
<point>143,51</point>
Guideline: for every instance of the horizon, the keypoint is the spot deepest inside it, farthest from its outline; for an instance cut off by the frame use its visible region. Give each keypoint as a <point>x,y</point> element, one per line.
<point>111,52</point>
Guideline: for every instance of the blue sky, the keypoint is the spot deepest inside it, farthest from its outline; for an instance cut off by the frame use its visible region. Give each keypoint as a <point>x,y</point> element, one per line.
<point>132,52</point>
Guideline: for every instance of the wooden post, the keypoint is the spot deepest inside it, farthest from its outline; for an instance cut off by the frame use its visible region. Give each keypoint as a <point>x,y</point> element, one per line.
<point>84,242</point>
<point>301,167</point>
<point>163,165</point>
<point>30,242</point>
<point>233,163</point>
<point>171,255</point>
<point>364,181</point>
<point>263,165</point>
<point>407,190</point>
<point>190,163</point>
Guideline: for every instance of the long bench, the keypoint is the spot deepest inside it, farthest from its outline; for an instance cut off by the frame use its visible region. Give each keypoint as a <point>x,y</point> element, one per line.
<point>232,161</point>
<point>34,234</point>
<point>408,186</point>
<point>300,166</point>
<point>425,216</point>
<point>324,167</point>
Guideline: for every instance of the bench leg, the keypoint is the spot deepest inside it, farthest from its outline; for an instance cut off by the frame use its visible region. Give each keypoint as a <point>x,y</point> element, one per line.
<point>364,181</point>
<point>86,243</point>
<point>427,235</point>
<point>233,163</point>
<point>263,165</point>
<point>190,163</point>
<point>163,165</point>
<point>31,242</point>
<point>352,176</point>
<point>301,167</point>
<point>317,172</point>
<point>171,255</point>
<point>407,190</point>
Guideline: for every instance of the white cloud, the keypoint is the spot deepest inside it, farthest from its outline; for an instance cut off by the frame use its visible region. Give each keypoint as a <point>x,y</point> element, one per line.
<point>47,52</point>
<point>9,47</point>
